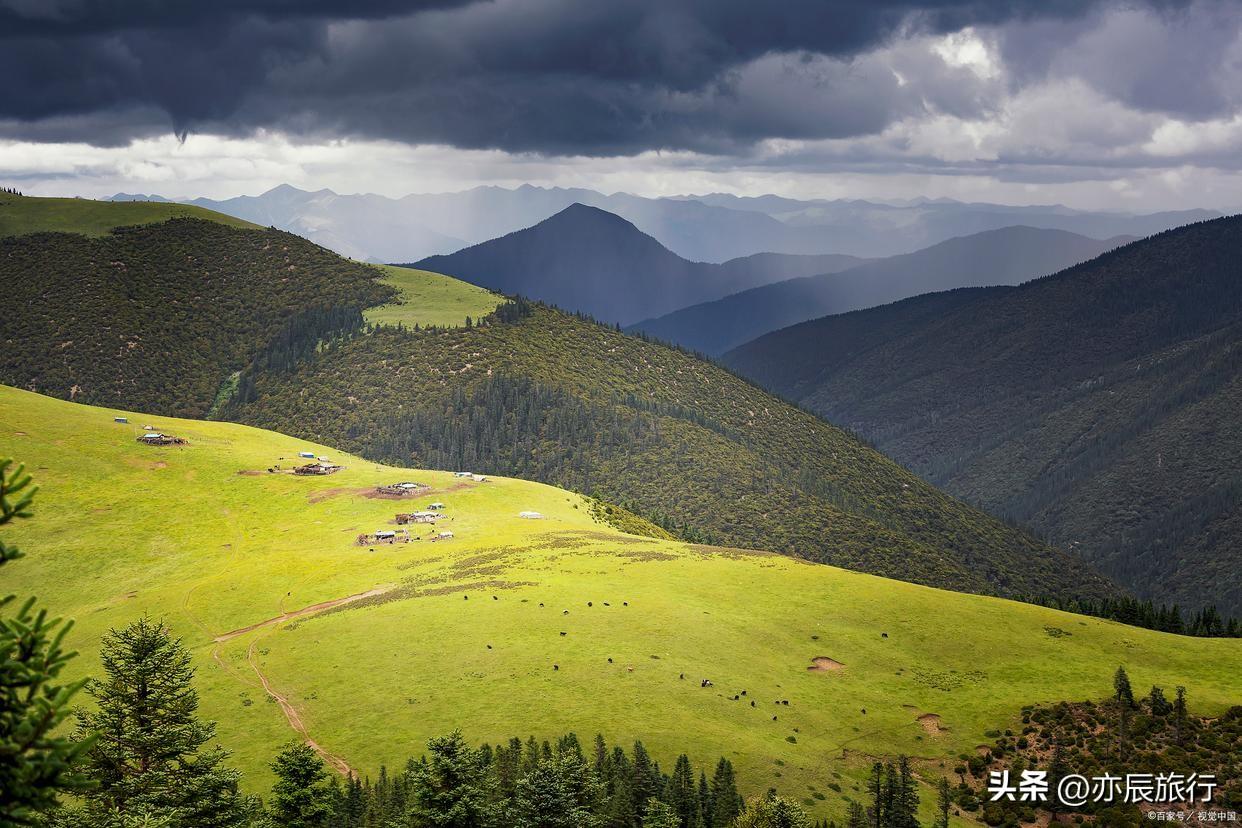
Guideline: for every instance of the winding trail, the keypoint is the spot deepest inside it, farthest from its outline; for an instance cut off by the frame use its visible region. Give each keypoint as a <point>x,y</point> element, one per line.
<point>295,719</point>
<point>292,716</point>
<point>300,613</point>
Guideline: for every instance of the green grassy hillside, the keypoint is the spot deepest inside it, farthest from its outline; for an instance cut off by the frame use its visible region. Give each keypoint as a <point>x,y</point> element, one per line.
<point>426,298</point>
<point>205,537</point>
<point>27,214</point>
<point>1098,405</point>
<point>554,398</point>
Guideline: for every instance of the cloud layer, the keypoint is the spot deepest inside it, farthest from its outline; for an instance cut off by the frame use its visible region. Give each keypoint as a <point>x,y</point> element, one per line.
<point>1024,90</point>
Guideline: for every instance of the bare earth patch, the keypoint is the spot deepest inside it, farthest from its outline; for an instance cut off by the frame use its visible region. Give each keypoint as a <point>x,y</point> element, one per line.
<point>824,664</point>
<point>250,473</point>
<point>931,724</point>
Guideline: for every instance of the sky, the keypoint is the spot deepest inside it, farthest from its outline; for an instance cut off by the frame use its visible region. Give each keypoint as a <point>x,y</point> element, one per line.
<point>1097,104</point>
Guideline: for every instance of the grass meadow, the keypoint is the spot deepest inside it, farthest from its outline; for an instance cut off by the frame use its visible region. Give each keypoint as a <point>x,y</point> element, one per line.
<point>204,537</point>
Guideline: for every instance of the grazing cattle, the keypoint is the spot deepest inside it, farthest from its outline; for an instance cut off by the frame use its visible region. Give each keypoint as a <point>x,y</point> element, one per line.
<point>556,666</point>
<point>495,598</point>
<point>564,633</point>
<point>625,603</point>
<point>736,697</point>
<point>610,659</point>
<point>752,702</point>
<point>883,635</point>
<point>465,597</point>
<point>629,669</point>
<point>607,604</point>
<point>743,692</point>
<point>541,603</point>
<point>682,676</point>
<point>564,612</point>
<point>785,702</point>
<point>705,683</point>
<point>773,718</point>
<point>864,710</point>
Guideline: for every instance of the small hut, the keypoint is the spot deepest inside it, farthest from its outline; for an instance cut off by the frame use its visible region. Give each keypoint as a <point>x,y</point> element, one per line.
<point>319,467</point>
<point>155,438</point>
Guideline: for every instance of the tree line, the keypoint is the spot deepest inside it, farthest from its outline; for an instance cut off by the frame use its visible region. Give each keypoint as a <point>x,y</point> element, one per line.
<point>1206,623</point>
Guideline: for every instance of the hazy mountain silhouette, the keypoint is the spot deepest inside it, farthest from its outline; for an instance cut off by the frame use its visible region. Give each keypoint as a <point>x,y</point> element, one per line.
<point>996,257</point>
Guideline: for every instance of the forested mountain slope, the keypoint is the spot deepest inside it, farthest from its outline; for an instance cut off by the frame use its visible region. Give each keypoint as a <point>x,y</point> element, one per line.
<point>586,259</point>
<point>1098,405</point>
<point>555,398</point>
<point>1006,256</point>
<point>195,317</point>
<point>159,316</point>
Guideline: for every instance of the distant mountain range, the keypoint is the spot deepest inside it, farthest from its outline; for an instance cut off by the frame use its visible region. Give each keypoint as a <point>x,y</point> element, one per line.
<point>707,228</point>
<point>1099,405</point>
<point>586,259</point>
<point>1007,256</point>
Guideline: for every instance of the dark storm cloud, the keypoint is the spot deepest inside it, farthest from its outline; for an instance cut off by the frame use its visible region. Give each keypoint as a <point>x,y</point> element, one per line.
<point>551,76</point>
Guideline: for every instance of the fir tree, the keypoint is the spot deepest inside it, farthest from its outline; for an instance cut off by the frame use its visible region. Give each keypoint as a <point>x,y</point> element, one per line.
<point>647,781</point>
<point>772,811</point>
<point>905,797</point>
<point>705,801</point>
<point>451,787</point>
<point>302,796</point>
<point>151,754</point>
<point>659,815</point>
<point>856,816</point>
<point>944,800</point>
<point>1179,714</point>
<point>727,803</point>
<point>561,792</point>
<point>1159,704</point>
<point>680,793</point>
<point>1121,687</point>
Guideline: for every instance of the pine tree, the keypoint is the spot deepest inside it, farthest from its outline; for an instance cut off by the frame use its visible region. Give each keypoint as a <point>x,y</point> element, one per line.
<point>1058,767</point>
<point>302,796</point>
<point>878,790</point>
<point>619,810</point>
<point>680,793</point>
<point>944,801</point>
<point>856,816</point>
<point>705,801</point>
<point>727,803</point>
<point>151,752</point>
<point>35,763</point>
<point>451,787</point>
<point>647,782</point>
<point>772,811</point>
<point>1179,714</point>
<point>905,797</point>
<point>562,792</point>
<point>1159,704</point>
<point>1121,687</point>
<point>659,815</point>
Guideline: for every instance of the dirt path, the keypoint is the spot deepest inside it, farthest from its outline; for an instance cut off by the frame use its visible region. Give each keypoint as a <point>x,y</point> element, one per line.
<point>291,714</point>
<point>300,613</point>
<point>294,718</point>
